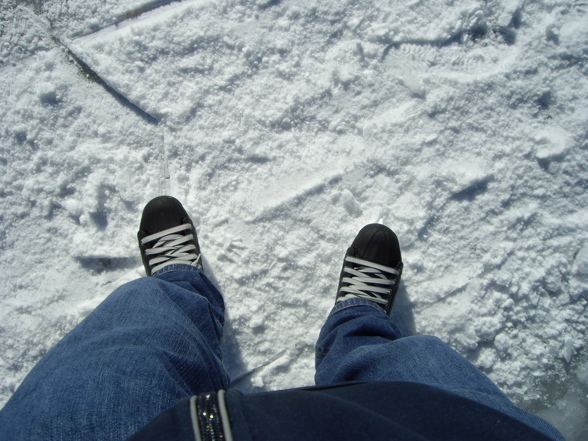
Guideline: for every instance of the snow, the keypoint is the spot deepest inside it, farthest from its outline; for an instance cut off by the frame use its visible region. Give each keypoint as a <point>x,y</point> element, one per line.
<point>284,127</point>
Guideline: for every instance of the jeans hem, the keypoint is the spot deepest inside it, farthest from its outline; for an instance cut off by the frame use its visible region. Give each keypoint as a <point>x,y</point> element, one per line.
<point>175,267</point>
<point>355,301</point>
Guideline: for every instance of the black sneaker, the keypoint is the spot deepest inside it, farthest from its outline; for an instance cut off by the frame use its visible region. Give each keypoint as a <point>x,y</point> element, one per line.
<point>167,235</point>
<point>372,267</point>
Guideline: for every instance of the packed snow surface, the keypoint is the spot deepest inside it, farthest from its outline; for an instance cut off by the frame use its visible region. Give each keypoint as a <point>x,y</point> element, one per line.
<point>284,126</point>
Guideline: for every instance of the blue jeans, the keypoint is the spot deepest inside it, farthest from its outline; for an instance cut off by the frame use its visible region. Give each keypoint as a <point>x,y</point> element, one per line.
<point>156,340</point>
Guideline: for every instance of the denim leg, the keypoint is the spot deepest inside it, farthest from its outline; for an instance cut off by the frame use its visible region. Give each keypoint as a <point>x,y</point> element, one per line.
<point>360,342</point>
<point>152,342</point>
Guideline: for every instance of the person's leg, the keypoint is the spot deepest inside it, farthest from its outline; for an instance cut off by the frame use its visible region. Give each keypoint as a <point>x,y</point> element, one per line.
<point>152,342</point>
<point>360,342</point>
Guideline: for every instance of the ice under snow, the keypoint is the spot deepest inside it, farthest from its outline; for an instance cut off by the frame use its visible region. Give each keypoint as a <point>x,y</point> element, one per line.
<point>284,126</point>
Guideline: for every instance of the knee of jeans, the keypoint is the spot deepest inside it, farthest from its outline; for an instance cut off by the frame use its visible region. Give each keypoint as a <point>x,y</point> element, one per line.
<point>433,345</point>
<point>141,282</point>
<point>136,290</point>
<point>429,340</point>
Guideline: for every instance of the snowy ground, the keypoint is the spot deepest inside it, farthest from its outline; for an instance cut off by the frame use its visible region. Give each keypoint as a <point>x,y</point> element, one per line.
<point>284,127</point>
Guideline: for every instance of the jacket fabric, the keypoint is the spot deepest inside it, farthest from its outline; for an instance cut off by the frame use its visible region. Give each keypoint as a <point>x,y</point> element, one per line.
<point>352,411</point>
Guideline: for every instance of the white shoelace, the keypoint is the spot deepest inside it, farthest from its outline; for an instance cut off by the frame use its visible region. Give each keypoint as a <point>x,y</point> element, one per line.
<point>171,248</point>
<point>368,281</point>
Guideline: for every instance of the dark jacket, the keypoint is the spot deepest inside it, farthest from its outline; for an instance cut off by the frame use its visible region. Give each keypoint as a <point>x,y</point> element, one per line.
<point>356,411</point>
